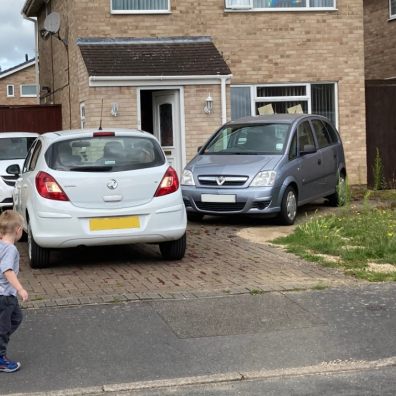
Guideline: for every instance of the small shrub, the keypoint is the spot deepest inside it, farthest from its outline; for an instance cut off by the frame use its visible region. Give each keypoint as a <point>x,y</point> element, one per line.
<point>378,172</point>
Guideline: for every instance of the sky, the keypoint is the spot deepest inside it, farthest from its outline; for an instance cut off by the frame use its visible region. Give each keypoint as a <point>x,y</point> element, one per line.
<point>16,34</point>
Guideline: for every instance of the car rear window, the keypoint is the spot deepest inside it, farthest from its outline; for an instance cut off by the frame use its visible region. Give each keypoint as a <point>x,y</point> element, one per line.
<point>104,154</point>
<point>15,147</point>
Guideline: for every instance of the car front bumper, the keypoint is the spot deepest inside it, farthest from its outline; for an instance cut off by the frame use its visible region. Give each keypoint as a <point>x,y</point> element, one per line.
<point>5,194</point>
<point>251,200</point>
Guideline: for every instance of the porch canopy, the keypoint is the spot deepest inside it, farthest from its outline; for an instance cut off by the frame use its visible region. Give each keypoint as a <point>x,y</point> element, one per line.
<point>123,60</point>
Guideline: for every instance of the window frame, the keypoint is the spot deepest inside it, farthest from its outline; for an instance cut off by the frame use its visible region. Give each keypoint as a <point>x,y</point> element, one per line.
<point>27,85</point>
<point>391,15</point>
<point>13,91</point>
<point>263,99</point>
<point>139,12</point>
<point>307,7</point>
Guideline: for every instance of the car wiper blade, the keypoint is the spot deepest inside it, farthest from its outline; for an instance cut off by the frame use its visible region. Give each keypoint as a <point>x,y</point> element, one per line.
<point>91,168</point>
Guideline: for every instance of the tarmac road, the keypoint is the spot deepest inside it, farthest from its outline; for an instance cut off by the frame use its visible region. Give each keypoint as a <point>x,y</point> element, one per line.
<point>92,346</point>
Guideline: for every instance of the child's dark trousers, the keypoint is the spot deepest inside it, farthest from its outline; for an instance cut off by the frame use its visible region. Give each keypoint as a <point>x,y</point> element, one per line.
<point>10,319</point>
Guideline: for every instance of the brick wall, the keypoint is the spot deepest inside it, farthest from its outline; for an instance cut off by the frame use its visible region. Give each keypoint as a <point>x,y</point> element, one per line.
<point>380,40</point>
<point>260,47</point>
<point>25,76</point>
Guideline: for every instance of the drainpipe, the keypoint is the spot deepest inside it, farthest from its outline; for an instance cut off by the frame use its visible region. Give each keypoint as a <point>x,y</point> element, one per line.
<point>36,56</point>
<point>224,98</point>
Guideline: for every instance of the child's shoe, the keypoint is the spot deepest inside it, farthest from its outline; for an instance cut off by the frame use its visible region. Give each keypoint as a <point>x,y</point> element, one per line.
<point>7,366</point>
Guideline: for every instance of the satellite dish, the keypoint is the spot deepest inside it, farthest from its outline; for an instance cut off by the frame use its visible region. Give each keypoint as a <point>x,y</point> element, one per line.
<point>52,22</point>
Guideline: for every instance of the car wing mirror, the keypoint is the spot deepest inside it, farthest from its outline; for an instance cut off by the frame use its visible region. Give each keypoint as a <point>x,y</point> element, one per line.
<point>14,170</point>
<point>308,149</point>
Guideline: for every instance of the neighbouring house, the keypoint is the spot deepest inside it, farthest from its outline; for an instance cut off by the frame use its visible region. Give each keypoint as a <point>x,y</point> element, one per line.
<point>380,74</point>
<point>18,84</point>
<point>179,69</point>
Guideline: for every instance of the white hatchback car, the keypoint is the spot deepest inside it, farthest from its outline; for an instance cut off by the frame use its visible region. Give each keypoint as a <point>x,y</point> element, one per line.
<point>13,149</point>
<point>91,188</point>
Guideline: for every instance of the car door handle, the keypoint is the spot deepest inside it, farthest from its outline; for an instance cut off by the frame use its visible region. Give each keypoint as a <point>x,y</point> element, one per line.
<point>319,161</point>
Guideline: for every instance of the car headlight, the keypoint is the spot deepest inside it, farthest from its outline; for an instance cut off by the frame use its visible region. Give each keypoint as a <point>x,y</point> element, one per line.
<point>187,178</point>
<point>264,179</point>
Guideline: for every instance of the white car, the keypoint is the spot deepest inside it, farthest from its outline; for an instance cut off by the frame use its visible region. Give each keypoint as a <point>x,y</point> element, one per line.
<point>92,187</point>
<point>13,149</point>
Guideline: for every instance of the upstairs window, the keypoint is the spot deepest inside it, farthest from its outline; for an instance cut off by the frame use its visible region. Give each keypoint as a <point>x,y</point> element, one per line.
<point>10,91</point>
<point>281,5</point>
<point>28,91</point>
<point>140,6</point>
<point>392,9</point>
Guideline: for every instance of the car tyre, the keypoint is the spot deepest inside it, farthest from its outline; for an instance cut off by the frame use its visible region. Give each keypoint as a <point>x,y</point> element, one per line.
<point>288,211</point>
<point>38,256</point>
<point>194,217</point>
<point>174,250</point>
<point>339,197</point>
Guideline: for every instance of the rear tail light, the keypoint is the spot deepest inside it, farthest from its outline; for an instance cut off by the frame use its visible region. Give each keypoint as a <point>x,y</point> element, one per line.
<point>169,183</point>
<point>48,187</point>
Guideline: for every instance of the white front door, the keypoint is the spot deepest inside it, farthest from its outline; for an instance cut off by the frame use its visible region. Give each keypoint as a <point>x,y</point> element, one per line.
<point>166,117</point>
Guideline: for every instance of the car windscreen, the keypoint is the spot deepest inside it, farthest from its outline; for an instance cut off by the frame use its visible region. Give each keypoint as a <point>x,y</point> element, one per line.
<point>263,139</point>
<point>15,147</point>
<point>104,154</point>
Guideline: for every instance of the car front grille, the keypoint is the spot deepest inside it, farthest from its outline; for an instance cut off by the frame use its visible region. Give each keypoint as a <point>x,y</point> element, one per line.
<point>222,181</point>
<point>7,201</point>
<point>9,180</point>
<point>220,206</point>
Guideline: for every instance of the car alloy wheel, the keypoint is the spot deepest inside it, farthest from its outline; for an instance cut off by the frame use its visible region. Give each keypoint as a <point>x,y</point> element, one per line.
<point>288,211</point>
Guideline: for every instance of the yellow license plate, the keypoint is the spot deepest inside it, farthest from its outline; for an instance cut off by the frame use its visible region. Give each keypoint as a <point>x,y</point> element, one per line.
<point>114,223</point>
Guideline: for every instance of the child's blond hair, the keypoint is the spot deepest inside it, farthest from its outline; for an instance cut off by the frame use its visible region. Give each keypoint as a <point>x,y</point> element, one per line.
<point>9,222</point>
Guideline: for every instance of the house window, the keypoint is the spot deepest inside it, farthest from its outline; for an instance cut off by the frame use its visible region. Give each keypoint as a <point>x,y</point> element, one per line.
<point>392,9</point>
<point>140,6</point>
<point>278,98</point>
<point>10,91</point>
<point>28,91</point>
<point>280,5</point>
<point>82,115</point>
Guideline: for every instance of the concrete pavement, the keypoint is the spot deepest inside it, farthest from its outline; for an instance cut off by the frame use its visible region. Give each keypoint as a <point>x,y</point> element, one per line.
<point>92,346</point>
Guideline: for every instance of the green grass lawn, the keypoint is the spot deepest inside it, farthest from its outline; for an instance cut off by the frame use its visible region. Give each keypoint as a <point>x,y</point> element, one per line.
<point>360,238</point>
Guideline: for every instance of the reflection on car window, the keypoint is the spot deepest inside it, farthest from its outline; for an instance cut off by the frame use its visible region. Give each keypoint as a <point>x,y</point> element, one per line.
<point>35,155</point>
<point>305,136</point>
<point>293,148</point>
<point>249,139</point>
<point>321,132</point>
<point>14,148</point>
<point>104,154</point>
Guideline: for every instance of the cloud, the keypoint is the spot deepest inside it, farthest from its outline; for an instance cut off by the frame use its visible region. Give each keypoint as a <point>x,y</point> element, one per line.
<point>16,34</point>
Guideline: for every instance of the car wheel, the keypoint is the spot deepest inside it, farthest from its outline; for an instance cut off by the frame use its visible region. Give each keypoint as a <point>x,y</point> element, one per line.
<point>288,211</point>
<point>174,250</point>
<point>339,197</point>
<point>193,216</point>
<point>38,256</point>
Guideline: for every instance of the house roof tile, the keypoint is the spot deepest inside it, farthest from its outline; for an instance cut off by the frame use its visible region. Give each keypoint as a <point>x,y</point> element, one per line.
<point>168,56</point>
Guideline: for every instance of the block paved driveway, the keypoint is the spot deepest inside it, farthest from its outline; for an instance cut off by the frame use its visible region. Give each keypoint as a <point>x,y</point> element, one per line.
<point>218,262</point>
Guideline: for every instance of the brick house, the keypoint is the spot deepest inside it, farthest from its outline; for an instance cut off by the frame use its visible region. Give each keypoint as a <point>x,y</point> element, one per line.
<point>18,84</point>
<point>194,65</point>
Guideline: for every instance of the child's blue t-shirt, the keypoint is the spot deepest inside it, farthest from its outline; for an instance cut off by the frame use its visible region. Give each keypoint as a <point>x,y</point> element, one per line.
<point>9,260</point>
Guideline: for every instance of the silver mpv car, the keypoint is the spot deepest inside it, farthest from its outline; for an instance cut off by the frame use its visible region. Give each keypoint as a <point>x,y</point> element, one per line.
<point>266,165</point>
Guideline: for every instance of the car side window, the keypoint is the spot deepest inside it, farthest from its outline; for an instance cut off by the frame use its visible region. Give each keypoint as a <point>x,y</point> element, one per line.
<point>293,148</point>
<point>305,136</point>
<point>322,135</point>
<point>35,154</point>
<point>28,158</point>
<point>332,132</point>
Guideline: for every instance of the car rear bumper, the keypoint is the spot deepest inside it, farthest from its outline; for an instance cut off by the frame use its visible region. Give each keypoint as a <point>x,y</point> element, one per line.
<point>249,200</point>
<point>62,229</point>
